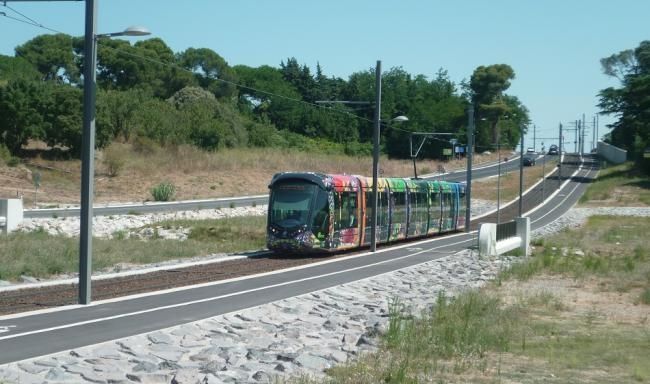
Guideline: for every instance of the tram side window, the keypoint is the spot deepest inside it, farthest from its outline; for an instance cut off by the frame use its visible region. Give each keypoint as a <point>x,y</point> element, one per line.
<point>399,207</point>
<point>450,207</point>
<point>434,217</point>
<point>345,210</point>
<point>382,217</point>
<point>421,204</point>
<point>461,200</point>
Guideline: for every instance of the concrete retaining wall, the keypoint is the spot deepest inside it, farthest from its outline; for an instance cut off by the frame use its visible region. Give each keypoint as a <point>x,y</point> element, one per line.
<point>611,153</point>
<point>489,246</point>
<point>11,214</point>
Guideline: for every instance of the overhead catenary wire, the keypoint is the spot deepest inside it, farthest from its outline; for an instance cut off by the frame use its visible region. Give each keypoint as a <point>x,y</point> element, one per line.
<point>21,14</point>
<point>28,21</point>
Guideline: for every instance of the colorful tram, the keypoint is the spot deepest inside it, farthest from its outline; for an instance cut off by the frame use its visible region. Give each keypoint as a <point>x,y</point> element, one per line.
<point>313,212</point>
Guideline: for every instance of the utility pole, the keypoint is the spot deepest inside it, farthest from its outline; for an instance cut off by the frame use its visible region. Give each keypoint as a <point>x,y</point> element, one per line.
<point>597,137</point>
<point>577,134</point>
<point>593,134</point>
<point>584,135</point>
<point>534,138</point>
<point>470,144</point>
<point>498,180</point>
<point>559,165</point>
<point>521,170</point>
<point>375,157</point>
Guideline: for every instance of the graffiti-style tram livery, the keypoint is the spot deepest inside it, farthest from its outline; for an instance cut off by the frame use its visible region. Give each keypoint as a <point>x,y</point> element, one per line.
<point>326,213</point>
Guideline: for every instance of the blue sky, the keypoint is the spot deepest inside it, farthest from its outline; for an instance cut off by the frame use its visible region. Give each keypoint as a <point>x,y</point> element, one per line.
<point>554,46</point>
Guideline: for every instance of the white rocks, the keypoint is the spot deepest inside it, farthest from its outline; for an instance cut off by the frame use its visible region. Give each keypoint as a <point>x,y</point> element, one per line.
<point>132,225</point>
<point>298,335</point>
<point>142,226</point>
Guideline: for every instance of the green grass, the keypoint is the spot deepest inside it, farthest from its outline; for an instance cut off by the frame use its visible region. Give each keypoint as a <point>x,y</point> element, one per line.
<point>41,255</point>
<point>454,337</point>
<point>616,177</point>
<point>506,334</point>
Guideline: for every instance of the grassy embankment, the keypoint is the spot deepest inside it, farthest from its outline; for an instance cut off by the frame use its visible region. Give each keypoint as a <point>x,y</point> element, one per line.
<point>576,311</point>
<point>486,189</point>
<point>127,172</point>
<point>40,255</point>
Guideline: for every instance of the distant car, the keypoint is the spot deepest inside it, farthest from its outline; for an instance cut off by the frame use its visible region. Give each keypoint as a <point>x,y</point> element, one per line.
<point>552,150</point>
<point>529,160</point>
<point>530,150</point>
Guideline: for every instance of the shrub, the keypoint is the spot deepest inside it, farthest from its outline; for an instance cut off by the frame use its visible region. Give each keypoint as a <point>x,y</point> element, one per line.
<point>114,160</point>
<point>145,145</point>
<point>645,296</point>
<point>164,191</point>
<point>13,161</point>
<point>5,154</point>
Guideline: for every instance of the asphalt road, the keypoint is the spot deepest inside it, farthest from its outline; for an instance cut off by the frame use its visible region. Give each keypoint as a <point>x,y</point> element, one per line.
<point>29,335</point>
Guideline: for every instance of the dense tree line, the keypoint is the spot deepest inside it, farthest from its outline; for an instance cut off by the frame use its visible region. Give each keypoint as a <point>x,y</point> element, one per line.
<point>630,103</point>
<point>148,92</point>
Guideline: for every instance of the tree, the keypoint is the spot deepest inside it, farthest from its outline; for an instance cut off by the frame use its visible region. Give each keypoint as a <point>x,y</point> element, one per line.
<point>211,71</point>
<point>159,121</point>
<point>16,68</point>
<point>21,115</point>
<point>116,111</point>
<point>488,83</point>
<point>62,114</point>
<point>631,102</point>
<point>53,56</point>
<point>149,65</point>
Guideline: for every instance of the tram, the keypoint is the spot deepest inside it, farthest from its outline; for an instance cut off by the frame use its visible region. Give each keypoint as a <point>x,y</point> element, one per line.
<point>320,213</point>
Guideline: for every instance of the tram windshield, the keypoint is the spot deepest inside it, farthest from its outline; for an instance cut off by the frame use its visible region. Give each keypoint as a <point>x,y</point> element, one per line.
<point>290,204</point>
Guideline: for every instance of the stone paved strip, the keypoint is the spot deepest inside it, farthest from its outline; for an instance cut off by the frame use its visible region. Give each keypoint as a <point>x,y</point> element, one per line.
<point>299,335</point>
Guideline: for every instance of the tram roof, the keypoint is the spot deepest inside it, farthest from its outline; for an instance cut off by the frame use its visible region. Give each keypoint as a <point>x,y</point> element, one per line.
<point>320,179</point>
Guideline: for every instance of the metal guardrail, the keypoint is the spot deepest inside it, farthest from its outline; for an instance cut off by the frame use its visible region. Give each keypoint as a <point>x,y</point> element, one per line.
<point>506,230</point>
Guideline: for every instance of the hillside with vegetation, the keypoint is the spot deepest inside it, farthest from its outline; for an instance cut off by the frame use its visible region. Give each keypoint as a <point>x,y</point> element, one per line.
<point>153,101</point>
<point>214,129</point>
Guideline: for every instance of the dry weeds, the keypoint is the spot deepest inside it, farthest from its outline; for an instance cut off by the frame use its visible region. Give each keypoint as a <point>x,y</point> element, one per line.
<point>196,174</point>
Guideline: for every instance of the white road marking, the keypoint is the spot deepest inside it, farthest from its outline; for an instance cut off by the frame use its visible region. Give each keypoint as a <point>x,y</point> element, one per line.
<point>208,299</point>
<point>5,328</point>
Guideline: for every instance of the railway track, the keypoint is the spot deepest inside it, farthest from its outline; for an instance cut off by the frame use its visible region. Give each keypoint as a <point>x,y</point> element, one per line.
<point>30,299</point>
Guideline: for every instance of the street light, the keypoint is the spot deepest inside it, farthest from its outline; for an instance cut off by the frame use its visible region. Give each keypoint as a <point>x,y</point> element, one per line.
<point>375,155</point>
<point>499,166</point>
<point>88,144</point>
<point>470,144</point>
<point>521,168</point>
<point>543,170</point>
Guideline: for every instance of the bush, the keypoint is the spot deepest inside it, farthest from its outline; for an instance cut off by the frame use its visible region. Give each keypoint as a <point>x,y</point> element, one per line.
<point>5,154</point>
<point>145,145</point>
<point>114,160</point>
<point>164,191</point>
<point>13,162</point>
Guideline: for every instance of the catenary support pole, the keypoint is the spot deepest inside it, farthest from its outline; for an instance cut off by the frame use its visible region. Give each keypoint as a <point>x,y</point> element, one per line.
<point>375,157</point>
<point>470,145</point>
<point>87,155</point>
<point>559,164</point>
<point>521,171</point>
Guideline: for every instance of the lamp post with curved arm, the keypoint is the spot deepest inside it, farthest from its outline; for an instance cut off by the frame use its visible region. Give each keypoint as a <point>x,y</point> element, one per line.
<point>375,155</point>
<point>88,144</point>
